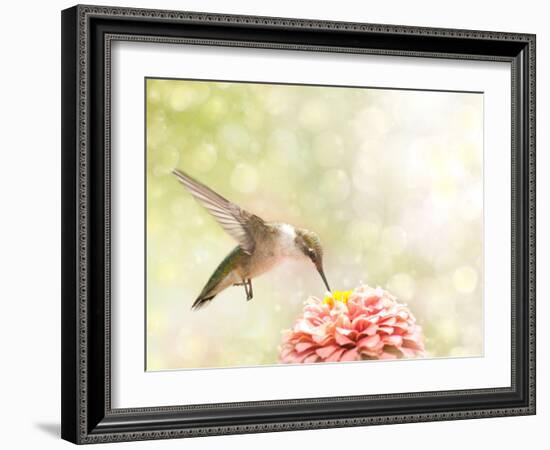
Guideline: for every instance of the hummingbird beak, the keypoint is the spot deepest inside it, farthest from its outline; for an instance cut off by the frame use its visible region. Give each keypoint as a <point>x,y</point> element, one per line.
<point>322,273</point>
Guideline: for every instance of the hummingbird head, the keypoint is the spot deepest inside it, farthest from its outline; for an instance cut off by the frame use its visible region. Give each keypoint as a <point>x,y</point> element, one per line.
<point>310,245</point>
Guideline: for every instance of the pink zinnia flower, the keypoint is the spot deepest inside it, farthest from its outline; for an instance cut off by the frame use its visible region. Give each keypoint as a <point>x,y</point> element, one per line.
<point>365,323</point>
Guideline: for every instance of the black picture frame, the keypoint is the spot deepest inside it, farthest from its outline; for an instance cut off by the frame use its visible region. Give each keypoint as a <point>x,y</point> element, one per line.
<point>87,32</point>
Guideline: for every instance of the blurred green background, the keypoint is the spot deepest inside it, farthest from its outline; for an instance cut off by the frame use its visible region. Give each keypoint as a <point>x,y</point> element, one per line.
<point>391,180</point>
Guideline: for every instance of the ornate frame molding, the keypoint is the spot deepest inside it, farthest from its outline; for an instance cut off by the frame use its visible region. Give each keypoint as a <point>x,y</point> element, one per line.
<point>85,421</point>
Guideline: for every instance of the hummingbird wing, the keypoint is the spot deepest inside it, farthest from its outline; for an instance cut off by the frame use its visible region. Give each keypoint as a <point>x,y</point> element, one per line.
<point>237,222</point>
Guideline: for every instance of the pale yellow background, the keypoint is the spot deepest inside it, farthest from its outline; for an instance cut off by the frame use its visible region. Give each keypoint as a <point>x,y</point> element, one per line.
<point>391,180</point>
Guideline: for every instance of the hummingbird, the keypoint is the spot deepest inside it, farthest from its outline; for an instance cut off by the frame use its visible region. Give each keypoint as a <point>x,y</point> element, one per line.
<point>261,245</point>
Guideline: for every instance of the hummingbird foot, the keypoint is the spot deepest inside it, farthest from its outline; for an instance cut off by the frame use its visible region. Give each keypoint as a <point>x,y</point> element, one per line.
<point>248,289</point>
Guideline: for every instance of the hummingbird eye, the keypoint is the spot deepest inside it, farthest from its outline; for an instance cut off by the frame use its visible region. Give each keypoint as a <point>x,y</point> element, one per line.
<point>310,252</point>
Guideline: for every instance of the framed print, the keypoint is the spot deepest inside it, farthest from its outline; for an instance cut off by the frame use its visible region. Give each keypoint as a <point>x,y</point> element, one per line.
<point>335,220</point>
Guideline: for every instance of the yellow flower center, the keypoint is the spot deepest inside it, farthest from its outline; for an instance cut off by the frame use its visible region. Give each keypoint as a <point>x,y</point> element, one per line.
<point>337,296</point>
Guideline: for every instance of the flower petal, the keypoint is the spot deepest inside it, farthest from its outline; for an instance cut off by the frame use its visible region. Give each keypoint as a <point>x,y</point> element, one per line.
<point>301,346</point>
<point>311,358</point>
<point>335,356</point>
<point>341,339</point>
<point>325,352</point>
<point>395,340</point>
<point>350,355</point>
<point>369,341</point>
<point>388,330</point>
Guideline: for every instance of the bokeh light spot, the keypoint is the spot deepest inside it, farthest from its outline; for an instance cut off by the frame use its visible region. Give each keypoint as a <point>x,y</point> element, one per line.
<point>233,137</point>
<point>314,114</point>
<point>244,178</point>
<point>185,96</point>
<point>282,146</point>
<point>335,185</point>
<point>394,239</point>
<point>403,285</point>
<point>204,158</point>
<point>165,272</point>
<point>163,162</point>
<point>215,108</point>
<point>329,149</point>
<point>465,279</point>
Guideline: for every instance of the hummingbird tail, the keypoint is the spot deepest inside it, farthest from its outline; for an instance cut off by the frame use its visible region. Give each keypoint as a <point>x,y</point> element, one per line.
<point>201,302</point>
